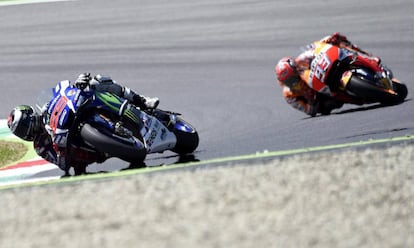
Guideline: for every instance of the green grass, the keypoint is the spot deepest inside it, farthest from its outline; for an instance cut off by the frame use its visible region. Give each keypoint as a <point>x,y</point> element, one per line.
<point>11,151</point>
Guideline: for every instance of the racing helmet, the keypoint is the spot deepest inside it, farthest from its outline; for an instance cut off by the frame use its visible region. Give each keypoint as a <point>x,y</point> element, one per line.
<point>286,72</point>
<point>24,122</point>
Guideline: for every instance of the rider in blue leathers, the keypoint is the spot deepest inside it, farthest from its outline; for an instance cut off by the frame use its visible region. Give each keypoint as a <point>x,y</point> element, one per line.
<point>28,125</point>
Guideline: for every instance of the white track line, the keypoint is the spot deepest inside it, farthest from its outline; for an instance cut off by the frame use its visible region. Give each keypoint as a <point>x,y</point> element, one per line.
<point>19,2</point>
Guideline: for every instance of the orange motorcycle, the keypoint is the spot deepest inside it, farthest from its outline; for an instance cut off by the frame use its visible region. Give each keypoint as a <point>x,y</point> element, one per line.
<point>347,76</point>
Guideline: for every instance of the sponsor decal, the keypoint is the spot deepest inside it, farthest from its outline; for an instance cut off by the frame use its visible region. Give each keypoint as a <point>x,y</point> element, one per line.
<point>60,137</point>
<point>62,117</point>
<point>320,66</point>
<point>71,92</point>
<point>56,113</point>
<point>151,138</point>
<point>52,104</point>
<point>345,78</point>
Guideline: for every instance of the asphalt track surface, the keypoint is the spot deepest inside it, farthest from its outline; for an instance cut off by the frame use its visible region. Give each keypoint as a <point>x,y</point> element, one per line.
<point>212,61</point>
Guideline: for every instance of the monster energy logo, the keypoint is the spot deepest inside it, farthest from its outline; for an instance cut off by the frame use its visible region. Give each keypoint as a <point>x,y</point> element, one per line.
<point>115,104</point>
<point>112,101</point>
<point>132,114</point>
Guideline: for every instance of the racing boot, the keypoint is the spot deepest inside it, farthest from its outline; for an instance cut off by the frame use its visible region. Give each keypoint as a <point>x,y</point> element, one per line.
<point>151,102</point>
<point>144,102</point>
<point>326,107</point>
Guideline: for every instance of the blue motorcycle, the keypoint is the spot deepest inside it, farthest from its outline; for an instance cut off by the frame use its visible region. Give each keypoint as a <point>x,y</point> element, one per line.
<point>109,126</point>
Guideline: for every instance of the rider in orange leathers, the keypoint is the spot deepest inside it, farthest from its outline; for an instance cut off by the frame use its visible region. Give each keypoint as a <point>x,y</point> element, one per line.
<point>292,74</point>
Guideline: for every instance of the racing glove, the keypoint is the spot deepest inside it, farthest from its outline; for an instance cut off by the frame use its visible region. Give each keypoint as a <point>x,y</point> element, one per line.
<point>340,40</point>
<point>336,39</point>
<point>83,81</point>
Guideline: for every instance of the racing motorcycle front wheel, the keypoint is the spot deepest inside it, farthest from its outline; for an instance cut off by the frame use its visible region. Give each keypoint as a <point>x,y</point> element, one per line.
<point>130,150</point>
<point>187,137</point>
<point>367,90</point>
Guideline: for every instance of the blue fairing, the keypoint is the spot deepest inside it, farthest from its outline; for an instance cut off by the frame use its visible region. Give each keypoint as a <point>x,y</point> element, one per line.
<point>67,100</point>
<point>100,121</point>
<point>183,126</point>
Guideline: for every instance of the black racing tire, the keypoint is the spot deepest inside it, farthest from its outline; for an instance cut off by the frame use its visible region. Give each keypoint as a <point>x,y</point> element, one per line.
<point>112,146</point>
<point>367,91</point>
<point>401,90</point>
<point>187,142</point>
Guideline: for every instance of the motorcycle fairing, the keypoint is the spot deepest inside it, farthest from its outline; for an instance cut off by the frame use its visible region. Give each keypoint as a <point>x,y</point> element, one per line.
<point>380,79</point>
<point>183,126</point>
<point>325,56</point>
<point>60,112</point>
<point>67,100</point>
<point>109,128</point>
<point>157,137</point>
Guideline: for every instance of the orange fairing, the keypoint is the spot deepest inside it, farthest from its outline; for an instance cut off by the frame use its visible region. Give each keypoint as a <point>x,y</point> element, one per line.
<point>325,55</point>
